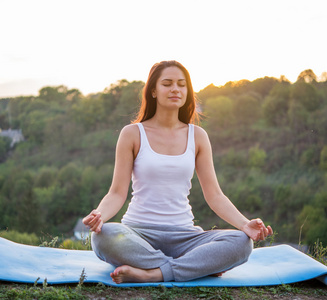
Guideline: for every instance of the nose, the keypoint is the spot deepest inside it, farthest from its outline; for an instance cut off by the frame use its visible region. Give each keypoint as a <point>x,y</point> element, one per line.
<point>175,88</point>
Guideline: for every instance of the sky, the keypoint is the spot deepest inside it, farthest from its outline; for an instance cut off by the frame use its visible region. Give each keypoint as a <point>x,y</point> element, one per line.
<point>89,45</point>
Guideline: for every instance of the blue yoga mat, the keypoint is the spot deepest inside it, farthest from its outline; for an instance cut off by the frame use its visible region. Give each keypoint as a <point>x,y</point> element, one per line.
<point>266,266</point>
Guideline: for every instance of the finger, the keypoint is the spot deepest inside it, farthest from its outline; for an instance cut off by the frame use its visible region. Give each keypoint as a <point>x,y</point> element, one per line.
<point>96,213</point>
<point>256,237</point>
<point>259,222</point>
<point>98,230</point>
<point>90,216</point>
<point>265,232</point>
<point>87,219</point>
<point>95,219</point>
<point>97,226</point>
<point>270,231</point>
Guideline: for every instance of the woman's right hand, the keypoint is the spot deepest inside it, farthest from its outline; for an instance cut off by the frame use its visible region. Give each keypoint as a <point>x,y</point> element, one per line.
<point>94,221</point>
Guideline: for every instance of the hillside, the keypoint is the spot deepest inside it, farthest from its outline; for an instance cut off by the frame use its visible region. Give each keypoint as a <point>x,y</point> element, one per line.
<point>269,140</point>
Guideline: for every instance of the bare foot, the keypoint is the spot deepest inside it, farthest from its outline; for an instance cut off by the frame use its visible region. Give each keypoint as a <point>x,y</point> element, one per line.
<point>130,274</point>
<point>218,274</point>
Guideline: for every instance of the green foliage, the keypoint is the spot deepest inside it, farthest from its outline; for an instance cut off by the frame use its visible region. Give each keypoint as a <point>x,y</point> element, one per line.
<point>307,289</point>
<point>247,109</point>
<point>323,158</point>
<point>219,111</point>
<point>298,117</point>
<point>4,147</point>
<point>307,76</point>
<point>234,159</point>
<point>310,156</point>
<point>19,237</point>
<point>306,94</point>
<point>257,157</point>
<point>315,224</point>
<point>44,292</point>
<point>313,219</point>
<point>319,252</point>
<point>76,245</point>
<point>276,105</point>
<point>53,94</point>
<point>65,166</point>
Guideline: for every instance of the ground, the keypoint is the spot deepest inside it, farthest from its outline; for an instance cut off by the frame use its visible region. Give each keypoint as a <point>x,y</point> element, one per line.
<point>312,289</point>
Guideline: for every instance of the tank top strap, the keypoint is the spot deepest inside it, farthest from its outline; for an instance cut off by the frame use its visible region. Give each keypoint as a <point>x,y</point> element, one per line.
<point>143,137</point>
<point>191,139</point>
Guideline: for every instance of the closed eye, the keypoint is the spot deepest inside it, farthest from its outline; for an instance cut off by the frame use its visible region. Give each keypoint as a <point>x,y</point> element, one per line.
<point>168,82</point>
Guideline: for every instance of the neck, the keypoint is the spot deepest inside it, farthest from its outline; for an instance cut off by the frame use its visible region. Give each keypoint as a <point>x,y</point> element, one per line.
<point>167,119</point>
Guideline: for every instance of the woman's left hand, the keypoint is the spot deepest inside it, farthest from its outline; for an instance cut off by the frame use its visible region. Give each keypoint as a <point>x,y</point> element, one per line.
<point>257,230</point>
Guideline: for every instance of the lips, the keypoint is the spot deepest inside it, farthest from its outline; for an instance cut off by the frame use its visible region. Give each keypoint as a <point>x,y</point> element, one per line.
<point>174,98</point>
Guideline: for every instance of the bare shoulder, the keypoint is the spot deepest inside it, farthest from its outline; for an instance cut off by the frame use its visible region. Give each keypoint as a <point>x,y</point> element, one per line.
<point>130,138</point>
<point>130,130</point>
<point>200,134</point>
<point>201,139</point>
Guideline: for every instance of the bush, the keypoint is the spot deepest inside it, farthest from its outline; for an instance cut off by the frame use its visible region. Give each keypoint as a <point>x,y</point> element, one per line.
<point>76,245</point>
<point>22,238</point>
<point>323,158</point>
<point>257,157</point>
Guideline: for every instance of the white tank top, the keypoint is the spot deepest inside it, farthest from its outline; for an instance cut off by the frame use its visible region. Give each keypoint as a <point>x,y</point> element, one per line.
<point>161,185</point>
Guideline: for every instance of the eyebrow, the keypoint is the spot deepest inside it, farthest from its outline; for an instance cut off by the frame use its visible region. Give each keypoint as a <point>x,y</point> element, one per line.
<point>172,80</point>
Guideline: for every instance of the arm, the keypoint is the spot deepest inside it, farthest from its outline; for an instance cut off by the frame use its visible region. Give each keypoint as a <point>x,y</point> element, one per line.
<point>214,196</point>
<point>113,201</point>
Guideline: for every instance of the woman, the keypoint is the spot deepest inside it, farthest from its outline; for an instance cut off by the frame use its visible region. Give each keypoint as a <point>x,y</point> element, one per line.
<point>157,240</point>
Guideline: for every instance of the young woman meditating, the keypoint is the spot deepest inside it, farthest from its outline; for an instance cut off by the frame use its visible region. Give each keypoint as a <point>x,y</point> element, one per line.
<point>156,239</point>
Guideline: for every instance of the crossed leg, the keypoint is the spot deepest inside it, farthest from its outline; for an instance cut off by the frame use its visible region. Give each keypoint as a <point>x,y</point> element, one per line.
<point>139,261</point>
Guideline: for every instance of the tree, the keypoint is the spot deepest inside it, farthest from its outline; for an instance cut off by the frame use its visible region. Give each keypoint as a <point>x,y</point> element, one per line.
<point>69,179</point>
<point>89,113</point>
<point>307,76</point>
<point>53,94</point>
<point>313,221</point>
<point>45,177</point>
<point>33,126</point>
<point>74,95</point>
<point>219,112</point>
<point>17,109</point>
<point>21,210</point>
<point>276,105</point>
<point>4,147</point>
<point>323,158</point>
<point>128,103</point>
<point>257,157</point>
<point>323,77</point>
<point>264,85</point>
<point>246,109</point>
<point>210,91</point>
<point>306,94</point>
<point>298,117</point>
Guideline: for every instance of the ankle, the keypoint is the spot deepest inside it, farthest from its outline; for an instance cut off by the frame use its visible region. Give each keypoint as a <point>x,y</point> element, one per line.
<point>154,275</point>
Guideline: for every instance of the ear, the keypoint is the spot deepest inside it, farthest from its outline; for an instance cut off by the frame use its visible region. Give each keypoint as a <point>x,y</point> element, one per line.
<point>154,94</point>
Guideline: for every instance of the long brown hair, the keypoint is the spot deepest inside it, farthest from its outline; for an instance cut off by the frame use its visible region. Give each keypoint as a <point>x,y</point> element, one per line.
<point>187,113</point>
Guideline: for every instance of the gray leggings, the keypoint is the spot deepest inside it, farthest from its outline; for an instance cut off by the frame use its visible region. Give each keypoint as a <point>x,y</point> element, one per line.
<point>181,253</point>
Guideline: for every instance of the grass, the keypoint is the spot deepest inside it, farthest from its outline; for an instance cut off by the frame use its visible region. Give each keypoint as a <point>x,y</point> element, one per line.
<point>312,289</point>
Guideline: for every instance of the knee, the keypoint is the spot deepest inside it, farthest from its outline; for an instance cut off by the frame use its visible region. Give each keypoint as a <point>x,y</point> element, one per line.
<point>244,245</point>
<point>111,233</point>
<point>109,240</point>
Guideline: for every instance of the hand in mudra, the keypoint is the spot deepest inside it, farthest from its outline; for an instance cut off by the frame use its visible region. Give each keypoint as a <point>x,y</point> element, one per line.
<point>257,230</point>
<point>93,221</point>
